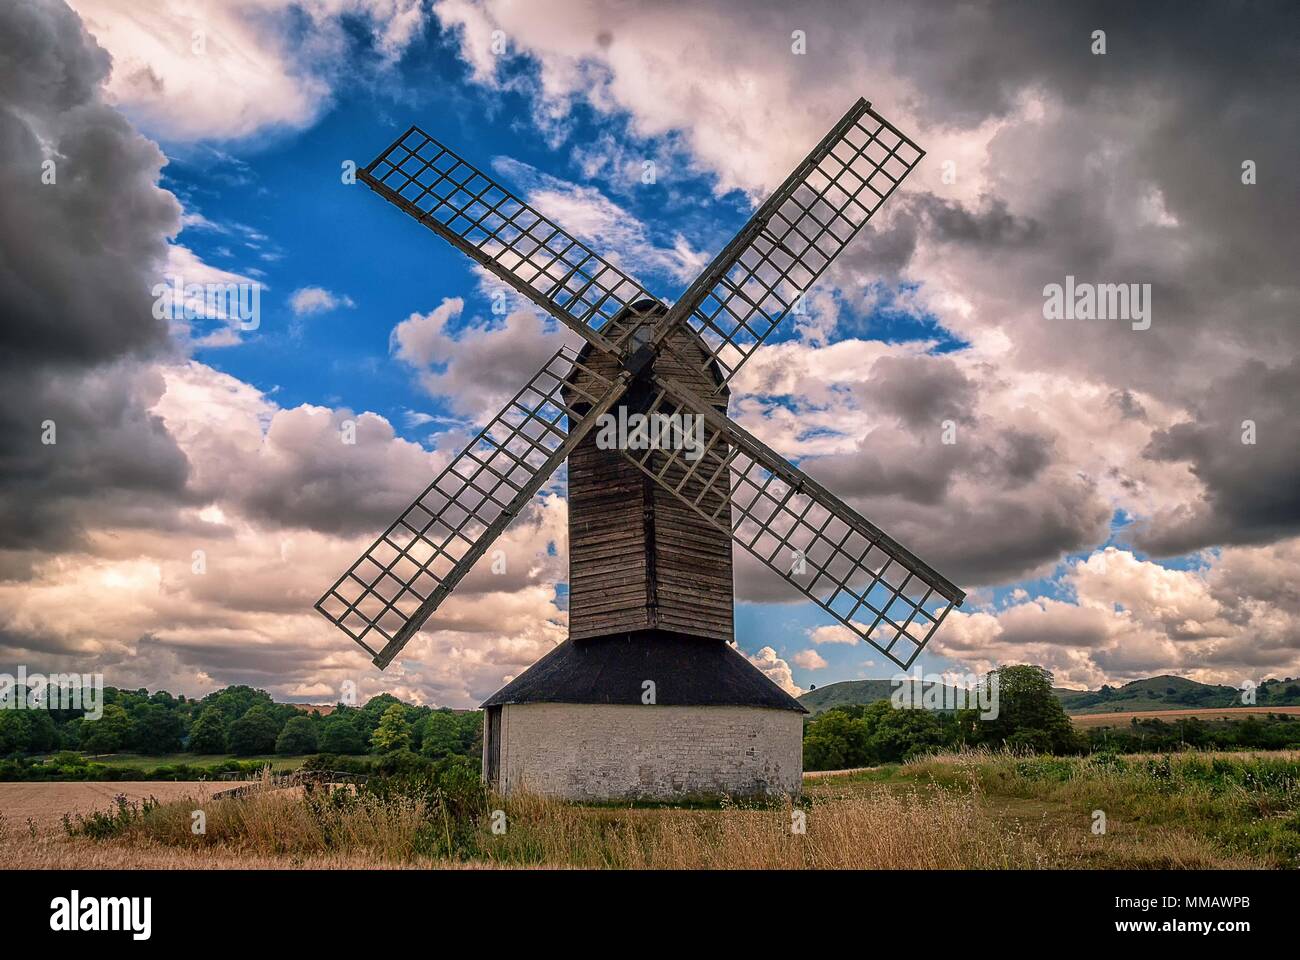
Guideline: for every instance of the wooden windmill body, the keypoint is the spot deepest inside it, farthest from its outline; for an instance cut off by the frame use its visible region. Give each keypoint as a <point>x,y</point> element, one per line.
<point>647,698</point>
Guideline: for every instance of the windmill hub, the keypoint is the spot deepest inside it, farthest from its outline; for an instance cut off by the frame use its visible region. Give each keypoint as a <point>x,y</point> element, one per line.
<point>648,696</point>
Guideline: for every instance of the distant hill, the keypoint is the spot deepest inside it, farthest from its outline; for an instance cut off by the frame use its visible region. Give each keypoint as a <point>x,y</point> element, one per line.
<point>849,693</point>
<point>1155,693</point>
<point>1175,693</point>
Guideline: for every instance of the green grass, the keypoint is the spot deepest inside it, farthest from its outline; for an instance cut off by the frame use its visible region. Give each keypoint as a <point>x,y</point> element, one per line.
<point>1245,806</point>
<point>145,763</point>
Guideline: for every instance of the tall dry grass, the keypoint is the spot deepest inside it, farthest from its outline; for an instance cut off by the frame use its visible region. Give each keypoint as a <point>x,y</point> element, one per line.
<point>857,828</point>
<point>872,829</point>
<point>972,810</point>
<point>270,820</point>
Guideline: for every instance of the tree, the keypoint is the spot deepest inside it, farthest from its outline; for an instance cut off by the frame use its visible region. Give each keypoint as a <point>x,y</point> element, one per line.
<point>109,733</point>
<point>236,701</point>
<point>837,740</point>
<point>15,735</point>
<point>1030,717</point>
<point>393,732</point>
<point>898,735</point>
<point>255,732</point>
<point>210,731</point>
<point>155,729</point>
<point>448,734</point>
<point>342,732</point>
<point>298,736</point>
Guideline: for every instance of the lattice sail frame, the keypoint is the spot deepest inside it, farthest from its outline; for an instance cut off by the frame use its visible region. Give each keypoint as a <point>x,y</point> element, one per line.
<point>393,588</point>
<point>517,243</point>
<point>874,587</point>
<point>758,278</point>
<point>850,568</point>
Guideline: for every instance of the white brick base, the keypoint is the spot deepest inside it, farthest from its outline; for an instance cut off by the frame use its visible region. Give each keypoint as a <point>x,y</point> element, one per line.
<point>607,751</point>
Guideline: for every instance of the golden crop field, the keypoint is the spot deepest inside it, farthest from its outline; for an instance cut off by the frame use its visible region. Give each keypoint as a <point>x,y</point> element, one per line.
<point>1201,713</point>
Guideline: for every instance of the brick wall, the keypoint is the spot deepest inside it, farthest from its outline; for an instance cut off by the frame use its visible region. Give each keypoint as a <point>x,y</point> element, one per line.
<point>604,751</point>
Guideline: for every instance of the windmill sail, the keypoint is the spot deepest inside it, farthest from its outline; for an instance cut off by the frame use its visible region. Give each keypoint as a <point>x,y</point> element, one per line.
<point>485,221</point>
<point>759,277</point>
<point>393,588</point>
<point>874,587</point>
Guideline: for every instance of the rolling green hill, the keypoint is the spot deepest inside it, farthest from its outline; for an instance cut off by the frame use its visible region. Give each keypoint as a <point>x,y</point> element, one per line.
<point>1155,693</point>
<point>849,693</point>
<point>1175,693</point>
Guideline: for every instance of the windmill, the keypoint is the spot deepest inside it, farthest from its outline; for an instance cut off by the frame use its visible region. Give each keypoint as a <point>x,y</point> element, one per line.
<point>651,523</point>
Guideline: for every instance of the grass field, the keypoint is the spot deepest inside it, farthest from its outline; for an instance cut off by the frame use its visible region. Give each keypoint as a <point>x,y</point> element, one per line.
<point>977,810</point>
<point>145,763</point>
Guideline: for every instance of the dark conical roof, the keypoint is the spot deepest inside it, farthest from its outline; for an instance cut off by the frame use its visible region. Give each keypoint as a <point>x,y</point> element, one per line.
<point>687,672</point>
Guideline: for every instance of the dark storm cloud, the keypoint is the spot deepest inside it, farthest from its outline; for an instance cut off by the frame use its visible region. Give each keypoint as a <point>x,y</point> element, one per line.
<point>1244,446</point>
<point>922,391</point>
<point>988,509</point>
<point>77,260</point>
<point>111,462</point>
<point>1129,407</point>
<point>78,254</point>
<point>1203,88</point>
<point>991,225</point>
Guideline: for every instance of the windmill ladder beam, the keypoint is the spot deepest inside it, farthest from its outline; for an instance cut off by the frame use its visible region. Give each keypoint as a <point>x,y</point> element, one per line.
<point>726,259</point>
<point>586,331</point>
<point>800,481</point>
<point>495,528</point>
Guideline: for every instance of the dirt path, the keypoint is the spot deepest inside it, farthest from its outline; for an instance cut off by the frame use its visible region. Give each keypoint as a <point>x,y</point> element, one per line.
<point>818,774</point>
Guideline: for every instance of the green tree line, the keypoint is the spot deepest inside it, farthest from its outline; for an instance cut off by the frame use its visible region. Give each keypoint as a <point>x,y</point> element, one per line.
<point>243,721</point>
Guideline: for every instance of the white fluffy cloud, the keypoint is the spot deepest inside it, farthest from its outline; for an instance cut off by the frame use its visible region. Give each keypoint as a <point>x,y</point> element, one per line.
<point>309,300</point>
<point>1123,618</point>
<point>775,669</point>
<point>225,587</point>
<point>607,228</point>
<point>809,660</point>
<point>479,367</point>
<point>222,69</point>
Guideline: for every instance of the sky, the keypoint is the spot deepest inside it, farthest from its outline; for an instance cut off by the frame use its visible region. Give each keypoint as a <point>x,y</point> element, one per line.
<point>1118,499</point>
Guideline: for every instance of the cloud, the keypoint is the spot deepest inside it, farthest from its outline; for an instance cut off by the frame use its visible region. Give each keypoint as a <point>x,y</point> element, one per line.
<point>943,453</point>
<point>610,230</point>
<point>1034,172</point>
<point>276,506</point>
<point>77,260</point>
<point>1123,618</point>
<point>223,69</point>
<point>832,633</point>
<point>809,660</point>
<point>775,669</point>
<point>309,300</point>
<point>477,369</point>
<point>1241,442</point>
